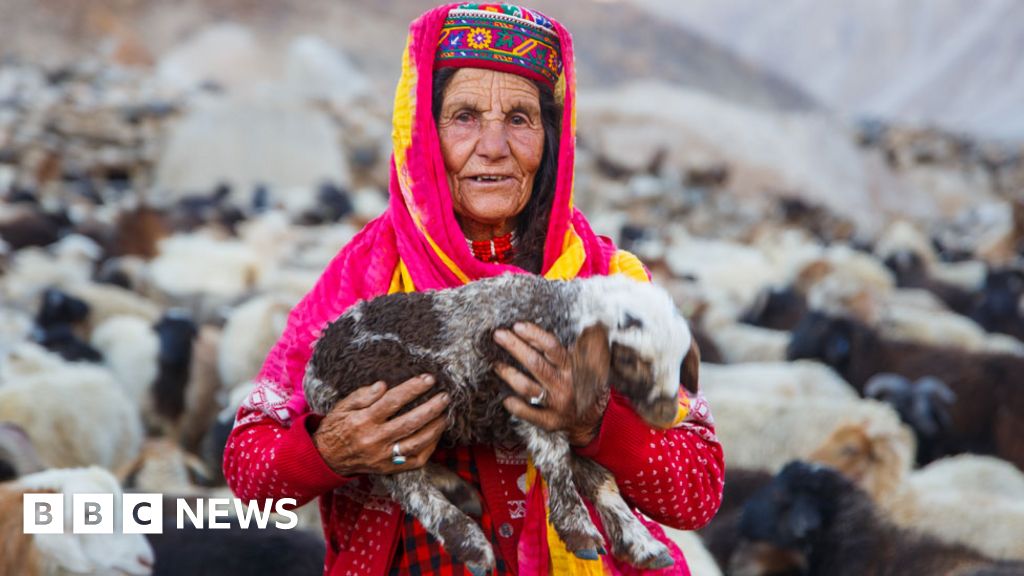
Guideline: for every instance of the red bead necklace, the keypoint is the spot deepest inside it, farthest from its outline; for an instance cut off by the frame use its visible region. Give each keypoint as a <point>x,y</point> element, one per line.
<point>498,249</point>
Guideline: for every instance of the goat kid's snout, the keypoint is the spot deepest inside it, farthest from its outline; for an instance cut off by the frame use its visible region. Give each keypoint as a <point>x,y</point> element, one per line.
<point>662,412</point>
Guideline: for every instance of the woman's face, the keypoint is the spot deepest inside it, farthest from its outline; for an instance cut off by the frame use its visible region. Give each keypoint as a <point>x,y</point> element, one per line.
<point>492,141</point>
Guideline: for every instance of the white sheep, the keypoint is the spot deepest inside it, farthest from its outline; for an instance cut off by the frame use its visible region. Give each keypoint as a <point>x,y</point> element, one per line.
<point>735,273</point>
<point>968,499</point>
<point>15,327</point>
<point>68,263</point>
<point>130,350</point>
<point>745,343</point>
<point>698,559</point>
<point>191,265</point>
<point>163,466</point>
<point>250,331</point>
<point>106,301</point>
<point>17,454</point>
<point>764,432</point>
<point>797,379</point>
<point>903,237</point>
<point>76,414</point>
<point>68,553</point>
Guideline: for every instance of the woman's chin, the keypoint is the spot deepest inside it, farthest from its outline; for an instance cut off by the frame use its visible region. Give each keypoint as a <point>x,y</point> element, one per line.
<point>489,218</point>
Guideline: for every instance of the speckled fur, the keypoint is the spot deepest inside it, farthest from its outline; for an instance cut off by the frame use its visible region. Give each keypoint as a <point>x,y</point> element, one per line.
<point>449,334</point>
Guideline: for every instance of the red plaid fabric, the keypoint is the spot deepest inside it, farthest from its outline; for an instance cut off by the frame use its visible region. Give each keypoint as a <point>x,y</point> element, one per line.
<point>420,553</point>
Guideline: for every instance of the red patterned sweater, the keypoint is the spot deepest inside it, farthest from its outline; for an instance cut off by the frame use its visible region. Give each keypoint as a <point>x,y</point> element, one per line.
<point>674,477</point>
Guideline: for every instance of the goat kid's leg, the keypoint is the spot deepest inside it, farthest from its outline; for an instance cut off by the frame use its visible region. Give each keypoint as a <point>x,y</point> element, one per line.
<point>458,533</point>
<point>552,456</point>
<point>455,489</point>
<point>630,539</point>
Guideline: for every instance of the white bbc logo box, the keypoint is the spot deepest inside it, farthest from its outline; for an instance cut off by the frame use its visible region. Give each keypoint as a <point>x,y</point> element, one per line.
<point>92,514</point>
<point>144,513</point>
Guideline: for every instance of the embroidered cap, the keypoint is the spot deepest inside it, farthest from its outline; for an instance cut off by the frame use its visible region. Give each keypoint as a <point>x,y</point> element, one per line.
<point>501,37</point>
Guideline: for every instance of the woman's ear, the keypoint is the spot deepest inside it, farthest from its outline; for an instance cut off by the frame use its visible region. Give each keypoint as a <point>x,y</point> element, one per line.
<point>591,362</point>
<point>689,375</point>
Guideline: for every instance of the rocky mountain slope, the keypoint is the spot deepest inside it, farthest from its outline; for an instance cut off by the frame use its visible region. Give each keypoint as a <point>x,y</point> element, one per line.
<point>955,63</point>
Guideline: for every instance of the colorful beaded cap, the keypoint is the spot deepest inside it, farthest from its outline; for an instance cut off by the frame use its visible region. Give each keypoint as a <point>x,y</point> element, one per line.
<point>500,37</point>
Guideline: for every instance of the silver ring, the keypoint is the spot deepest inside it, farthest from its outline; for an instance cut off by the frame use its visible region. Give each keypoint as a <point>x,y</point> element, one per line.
<point>538,400</point>
<point>396,455</point>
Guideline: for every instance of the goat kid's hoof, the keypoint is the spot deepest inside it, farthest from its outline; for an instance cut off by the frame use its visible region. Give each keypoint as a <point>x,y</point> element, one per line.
<point>663,560</point>
<point>648,554</point>
<point>581,537</point>
<point>478,562</point>
<point>477,557</point>
<point>583,546</point>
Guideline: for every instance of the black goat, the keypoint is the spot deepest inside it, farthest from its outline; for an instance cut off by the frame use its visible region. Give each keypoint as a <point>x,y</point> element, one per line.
<point>997,307</point>
<point>721,535</point>
<point>777,308</point>
<point>833,525</point>
<point>59,307</point>
<point>922,404</point>
<point>988,415</point>
<point>176,334</point>
<point>58,313</point>
<point>912,272</point>
<point>333,203</point>
<point>235,551</point>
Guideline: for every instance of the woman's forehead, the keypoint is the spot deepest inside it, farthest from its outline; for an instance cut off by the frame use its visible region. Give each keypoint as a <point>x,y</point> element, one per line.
<point>479,86</point>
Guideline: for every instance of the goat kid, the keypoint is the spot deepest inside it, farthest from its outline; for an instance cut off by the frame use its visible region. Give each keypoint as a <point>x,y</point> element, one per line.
<point>617,330</point>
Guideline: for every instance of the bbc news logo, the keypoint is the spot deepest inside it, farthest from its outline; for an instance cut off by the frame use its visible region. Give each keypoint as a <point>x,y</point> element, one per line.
<point>144,513</point>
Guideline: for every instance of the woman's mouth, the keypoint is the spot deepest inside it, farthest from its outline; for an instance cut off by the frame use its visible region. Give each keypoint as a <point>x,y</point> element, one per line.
<point>489,178</point>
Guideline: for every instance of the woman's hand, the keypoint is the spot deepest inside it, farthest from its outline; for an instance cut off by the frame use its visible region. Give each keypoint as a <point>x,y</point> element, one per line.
<point>358,434</point>
<point>563,406</point>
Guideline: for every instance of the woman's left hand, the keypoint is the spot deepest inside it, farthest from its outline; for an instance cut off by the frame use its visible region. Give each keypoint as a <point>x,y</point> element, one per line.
<point>552,382</point>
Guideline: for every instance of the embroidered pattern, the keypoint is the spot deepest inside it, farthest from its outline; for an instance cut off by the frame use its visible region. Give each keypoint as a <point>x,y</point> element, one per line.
<point>268,398</point>
<point>500,36</point>
<point>479,38</point>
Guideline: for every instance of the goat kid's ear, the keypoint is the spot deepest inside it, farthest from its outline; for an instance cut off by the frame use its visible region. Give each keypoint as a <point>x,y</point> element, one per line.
<point>689,376</point>
<point>591,362</point>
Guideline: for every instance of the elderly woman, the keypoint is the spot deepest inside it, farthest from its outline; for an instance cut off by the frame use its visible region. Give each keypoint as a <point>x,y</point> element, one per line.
<point>481,184</point>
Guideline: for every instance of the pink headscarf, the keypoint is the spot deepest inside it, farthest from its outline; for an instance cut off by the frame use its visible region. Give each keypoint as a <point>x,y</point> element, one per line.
<point>419,227</point>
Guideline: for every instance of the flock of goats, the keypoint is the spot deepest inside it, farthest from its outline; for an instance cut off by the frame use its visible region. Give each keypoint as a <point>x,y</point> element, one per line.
<point>869,392</point>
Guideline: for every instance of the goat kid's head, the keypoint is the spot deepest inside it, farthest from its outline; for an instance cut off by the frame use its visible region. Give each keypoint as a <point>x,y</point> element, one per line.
<point>650,351</point>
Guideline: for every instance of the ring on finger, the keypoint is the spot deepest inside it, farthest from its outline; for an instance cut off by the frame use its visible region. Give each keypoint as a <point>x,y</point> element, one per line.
<point>538,400</point>
<point>396,455</point>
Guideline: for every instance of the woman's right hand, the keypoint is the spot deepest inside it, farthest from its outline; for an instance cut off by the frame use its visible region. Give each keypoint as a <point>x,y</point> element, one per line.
<point>357,435</point>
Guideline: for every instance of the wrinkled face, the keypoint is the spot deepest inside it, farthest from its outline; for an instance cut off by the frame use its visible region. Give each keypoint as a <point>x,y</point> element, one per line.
<point>492,141</point>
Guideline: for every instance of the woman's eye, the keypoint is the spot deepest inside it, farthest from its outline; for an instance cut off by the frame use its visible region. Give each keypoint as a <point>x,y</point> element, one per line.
<point>464,117</point>
<point>520,120</point>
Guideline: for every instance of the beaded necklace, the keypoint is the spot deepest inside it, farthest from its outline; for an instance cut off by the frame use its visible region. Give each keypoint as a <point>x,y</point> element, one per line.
<point>498,249</point>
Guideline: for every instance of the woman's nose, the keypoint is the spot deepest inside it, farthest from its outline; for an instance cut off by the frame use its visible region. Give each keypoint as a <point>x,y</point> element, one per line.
<point>493,141</point>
